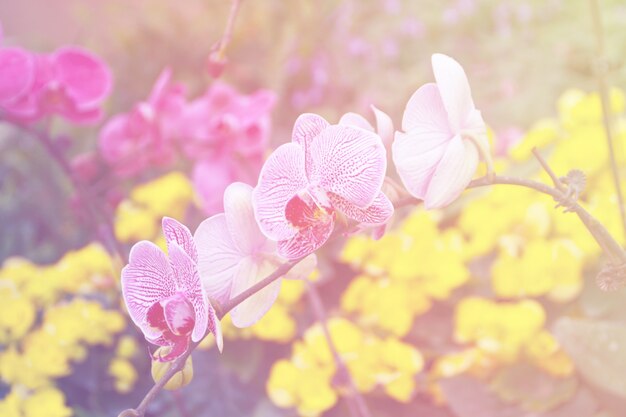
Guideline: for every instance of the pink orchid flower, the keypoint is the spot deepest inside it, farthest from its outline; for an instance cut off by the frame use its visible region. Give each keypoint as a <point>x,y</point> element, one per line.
<point>444,134</point>
<point>324,170</point>
<point>235,255</point>
<point>165,297</point>
<point>142,138</point>
<point>71,82</point>
<point>384,124</point>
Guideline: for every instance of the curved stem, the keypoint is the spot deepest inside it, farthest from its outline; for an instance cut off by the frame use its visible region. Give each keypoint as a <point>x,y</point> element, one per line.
<point>356,402</point>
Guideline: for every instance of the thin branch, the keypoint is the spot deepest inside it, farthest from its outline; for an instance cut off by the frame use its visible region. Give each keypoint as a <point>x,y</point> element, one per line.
<point>356,402</point>
<point>228,30</point>
<point>544,164</point>
<point>601,69</point>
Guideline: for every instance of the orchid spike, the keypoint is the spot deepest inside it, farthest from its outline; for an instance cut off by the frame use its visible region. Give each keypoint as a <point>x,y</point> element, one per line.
<point>234,255</point>
<point>444,134</point>
<point>165,297</point>
<point>324,170</point>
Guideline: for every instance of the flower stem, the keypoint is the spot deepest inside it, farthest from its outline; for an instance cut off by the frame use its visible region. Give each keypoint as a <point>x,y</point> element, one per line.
<point>356,402</point>
<point>600,70</point>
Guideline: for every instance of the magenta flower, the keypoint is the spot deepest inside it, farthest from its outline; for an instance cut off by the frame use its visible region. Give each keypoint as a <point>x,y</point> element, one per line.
<point>165,297</point>
<point>235,255</point>
<point>144,137</point>
<point>326,169</point>
<point>71,82</point>
<point>444,134</point>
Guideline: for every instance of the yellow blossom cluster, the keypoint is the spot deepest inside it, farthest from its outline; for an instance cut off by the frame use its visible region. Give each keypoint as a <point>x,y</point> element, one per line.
<point>49,322</point>
<point>121,368</point>
<point>309,380</point>
<point>139,216</point>
<point>403,272</point>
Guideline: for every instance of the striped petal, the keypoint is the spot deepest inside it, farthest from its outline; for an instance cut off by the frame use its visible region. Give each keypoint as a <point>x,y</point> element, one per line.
<point>176,232</point>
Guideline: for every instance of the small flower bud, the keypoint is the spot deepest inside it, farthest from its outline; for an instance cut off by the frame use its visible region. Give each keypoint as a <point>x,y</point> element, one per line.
<point>180,379</point>
<point>612,277</point>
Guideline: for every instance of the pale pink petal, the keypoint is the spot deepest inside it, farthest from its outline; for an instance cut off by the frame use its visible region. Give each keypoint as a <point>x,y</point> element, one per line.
<point>187,280</point>
<point>307,240</point>
<point>425,111</point>
<point>216,328</point>
<point>306,128</point>
<point>356,120</point>
<point>454,172</point>
<point>147,279</point>
<point>161,84</point>
<point>379,212</point>
<point>282,176</point>
<point>302,269</point>
<point>454,88</point>
<point>350,162</point>
<point>218,257</point>
<point>384,126</point>
<point>240,220</point>
<point>253,308</point>
<point>17,68</point>
<point>176,232</point>
<point>86,78</point>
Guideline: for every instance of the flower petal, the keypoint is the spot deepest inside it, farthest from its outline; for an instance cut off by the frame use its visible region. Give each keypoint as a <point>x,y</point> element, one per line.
<point>86,78</point>
<point>379,212</point>
<point>425,111</point>
<point>17,73</point>
<point>384,126</point>
<point>178,314</point>
<point>188,282</point>
<point>252,309</point>
<point>416,156</point>
<point>454,172</point>
<point>218,257</point>
<point>306,128</point>
<point>307,240</point>
<point>454,88</point>
<point>147,279</point>
<point>356,120</point>
<point>303,269</point>
<point>177,232</point>
<point>240,220</point>
<point>350,162</point>
<point>281,177</point>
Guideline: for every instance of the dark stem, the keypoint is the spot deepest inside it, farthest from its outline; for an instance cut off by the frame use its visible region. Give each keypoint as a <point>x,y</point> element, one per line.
<point>358,408</point>
<point>600,69</point>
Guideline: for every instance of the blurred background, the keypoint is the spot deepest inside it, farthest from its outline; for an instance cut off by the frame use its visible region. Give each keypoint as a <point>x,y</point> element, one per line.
<point>489,308</point>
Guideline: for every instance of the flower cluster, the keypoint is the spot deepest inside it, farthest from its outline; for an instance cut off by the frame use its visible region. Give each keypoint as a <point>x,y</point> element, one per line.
<point>71,82</point>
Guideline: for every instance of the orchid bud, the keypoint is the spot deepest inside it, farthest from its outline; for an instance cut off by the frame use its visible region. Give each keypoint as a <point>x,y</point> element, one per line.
<point>180,379</point>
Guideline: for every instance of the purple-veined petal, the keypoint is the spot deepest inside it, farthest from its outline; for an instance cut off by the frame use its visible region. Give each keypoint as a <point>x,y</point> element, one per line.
<point>177,348</point>
<point>306,128</point>
<point>356,120</point>
<point>240,220</point>
<point>350,162</point>
<point>17,73</point>
<point>218,257</point>
<point>176,232</point>
<point>146,280</point>
<point>416,156</point>
<point>384,126</point>
<point>307,240</point>
<point>179,314</point>
<point>454,89</point>
<point>302,269</point>
<point>454,172</point>
<point>281,177</point>
<point>253,308</point>
<point>379,212</point>
<point>187,280</point>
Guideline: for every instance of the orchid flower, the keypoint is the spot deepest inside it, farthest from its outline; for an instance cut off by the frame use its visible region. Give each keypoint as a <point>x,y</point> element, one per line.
<point>384,124</point>
<point>234,255</point>
<point>444,134</point>
<point>165,297</point>
<point>324,170</point>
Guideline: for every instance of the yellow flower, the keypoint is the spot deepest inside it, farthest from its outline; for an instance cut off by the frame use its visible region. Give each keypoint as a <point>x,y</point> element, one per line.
<point>541,134</point>
<point>168,195</point>
<point>134,223</point>
<point>277,325</point>
<point>544,351</point>
<point>124,374</point>
<point>49,402</point>
<point>10,405</point>
<point>126,347</point>
<point>18,313</point>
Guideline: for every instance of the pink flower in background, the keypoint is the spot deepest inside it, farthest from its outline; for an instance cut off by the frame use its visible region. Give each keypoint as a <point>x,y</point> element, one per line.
<point>144,137</point>
<point>326,169</point>
<point>234,255</point>
<point>444,134</point>
<point>71,82</point>
<point>165,297</point>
